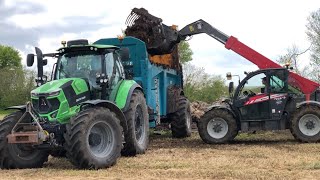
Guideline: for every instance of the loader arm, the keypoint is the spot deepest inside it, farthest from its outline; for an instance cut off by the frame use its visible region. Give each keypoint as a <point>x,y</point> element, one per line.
<point>305,85</point>
<point>162,39</point>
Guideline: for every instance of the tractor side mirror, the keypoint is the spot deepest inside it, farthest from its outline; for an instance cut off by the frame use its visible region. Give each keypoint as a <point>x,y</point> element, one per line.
<point>40,65</point>
<point>231,87</point>
<point>229,76</point>
<point>124,54</point>
<point>30,60</point>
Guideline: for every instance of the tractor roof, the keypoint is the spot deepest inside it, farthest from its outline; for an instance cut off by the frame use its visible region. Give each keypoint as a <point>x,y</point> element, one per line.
<point>87,47</point>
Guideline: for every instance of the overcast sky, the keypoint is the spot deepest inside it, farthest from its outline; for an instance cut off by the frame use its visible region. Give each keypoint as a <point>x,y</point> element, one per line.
<point>269,27</point>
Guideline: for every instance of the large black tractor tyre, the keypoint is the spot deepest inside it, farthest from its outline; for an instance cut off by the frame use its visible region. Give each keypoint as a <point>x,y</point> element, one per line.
<point>137,135</point>
<point>305,124</point>
<point>19,156</point>
<point>93,138</point>
<point>217,126</point>
<point>181,120</point>
<point>61,153</point>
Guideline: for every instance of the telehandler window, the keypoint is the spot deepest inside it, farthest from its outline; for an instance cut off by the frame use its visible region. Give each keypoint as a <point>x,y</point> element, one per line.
<point>253,86</point>
<point>278,82</point>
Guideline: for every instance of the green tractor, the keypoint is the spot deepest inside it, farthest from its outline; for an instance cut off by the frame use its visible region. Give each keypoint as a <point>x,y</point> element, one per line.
<point>87,112</point>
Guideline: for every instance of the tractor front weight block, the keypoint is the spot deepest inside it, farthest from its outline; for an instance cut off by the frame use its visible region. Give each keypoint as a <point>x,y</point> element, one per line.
<point>31,137</point>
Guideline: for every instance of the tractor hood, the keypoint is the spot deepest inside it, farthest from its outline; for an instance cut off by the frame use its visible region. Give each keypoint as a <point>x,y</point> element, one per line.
<point>59,99</point>
<point>77,84</point>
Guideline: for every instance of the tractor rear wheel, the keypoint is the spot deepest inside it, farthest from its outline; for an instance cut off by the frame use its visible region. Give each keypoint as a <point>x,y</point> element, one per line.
<point>181,120</point>
<point>14,156</point>
<point>94,138</point>
<point>305,124</point>
<point>137,135</point>
<point>217,126</point>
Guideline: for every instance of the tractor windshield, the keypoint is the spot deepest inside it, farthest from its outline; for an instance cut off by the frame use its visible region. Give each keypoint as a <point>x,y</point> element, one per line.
<point>80,65</point>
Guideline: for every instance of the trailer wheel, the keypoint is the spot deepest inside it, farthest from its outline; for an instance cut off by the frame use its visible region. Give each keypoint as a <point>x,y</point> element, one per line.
<point>137,135</point>
<point>305,124</point>
<point>14,156</point>
<point>217,126</point>
<point>94,138</point>
<point>181,120</point>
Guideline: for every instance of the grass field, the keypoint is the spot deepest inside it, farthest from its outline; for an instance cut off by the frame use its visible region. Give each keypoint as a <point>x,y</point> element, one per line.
<point>252,156</point>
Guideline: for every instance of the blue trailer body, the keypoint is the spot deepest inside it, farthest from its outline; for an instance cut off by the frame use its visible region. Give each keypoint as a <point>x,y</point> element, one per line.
<point>147,73</point>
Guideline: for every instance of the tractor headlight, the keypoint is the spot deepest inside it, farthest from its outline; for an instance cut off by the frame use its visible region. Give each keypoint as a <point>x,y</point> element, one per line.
<point>33,94</point>
<point>49,94</point>
<point>54,93</point>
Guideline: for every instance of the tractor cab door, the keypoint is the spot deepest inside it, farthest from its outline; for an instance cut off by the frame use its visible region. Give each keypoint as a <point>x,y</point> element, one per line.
<point>262,95</point>
<point>252,98</point>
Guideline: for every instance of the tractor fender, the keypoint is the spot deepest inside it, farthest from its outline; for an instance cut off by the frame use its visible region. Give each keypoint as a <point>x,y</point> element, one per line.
<point>110,105</point>
<point>223,106</point>
<point>20,107</point>
<point>303,103</point>
<point>125,92</point>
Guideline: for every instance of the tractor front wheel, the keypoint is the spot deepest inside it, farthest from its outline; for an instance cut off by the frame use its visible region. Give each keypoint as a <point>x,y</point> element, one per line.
<point>137,135</point>
<point>94,138</point>
<point>217,126</point>
<point>14,156</point>
<point>305,124</point>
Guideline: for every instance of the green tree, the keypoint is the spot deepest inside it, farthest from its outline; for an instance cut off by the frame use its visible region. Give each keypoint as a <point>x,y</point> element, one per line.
<point>313,33</point>
<point>185,53</point>
<point>15,82</point>
<point>200,86</point>
<point>9,57</point>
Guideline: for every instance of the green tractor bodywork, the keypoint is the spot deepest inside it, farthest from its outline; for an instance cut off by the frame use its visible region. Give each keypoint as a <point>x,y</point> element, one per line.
<point>60,105</point>
<point>81,113</point>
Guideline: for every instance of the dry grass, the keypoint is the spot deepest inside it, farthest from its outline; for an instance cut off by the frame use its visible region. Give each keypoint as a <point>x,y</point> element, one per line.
<point>252,156</point>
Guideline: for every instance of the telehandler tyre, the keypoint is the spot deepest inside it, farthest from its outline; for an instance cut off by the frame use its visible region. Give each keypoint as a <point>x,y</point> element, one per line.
<point>305,124</point>
<point>181,120</point>
<point>217,126</point>
<point>137,136</point>
<point>94,138</point>
<point>14,156</point>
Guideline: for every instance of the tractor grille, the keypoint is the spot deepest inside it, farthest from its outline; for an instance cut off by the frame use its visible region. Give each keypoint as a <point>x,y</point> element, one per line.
<point>44,105</point>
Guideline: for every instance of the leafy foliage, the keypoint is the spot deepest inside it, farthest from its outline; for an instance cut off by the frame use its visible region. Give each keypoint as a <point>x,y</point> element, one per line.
<point>9,57</point>
<point>15,82</point>
<point>200,86</point>
<point>185,53</point>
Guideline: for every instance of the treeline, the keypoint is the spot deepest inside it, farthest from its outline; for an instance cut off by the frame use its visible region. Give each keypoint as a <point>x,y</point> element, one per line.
<point>15,81</point>
<point>201,86</point>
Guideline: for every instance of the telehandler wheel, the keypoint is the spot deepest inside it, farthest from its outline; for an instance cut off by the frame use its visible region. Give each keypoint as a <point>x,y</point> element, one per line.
<point>305,124</point>
<point>94,138</point>
<point>217,126</point>
<point>137,136</point>
<point>14,156</point>
<point>181,119</point>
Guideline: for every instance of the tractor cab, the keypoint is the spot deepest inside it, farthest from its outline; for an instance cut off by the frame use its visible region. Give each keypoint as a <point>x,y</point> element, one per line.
<point>261,96</point>
<point>98,65</point>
